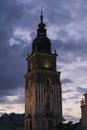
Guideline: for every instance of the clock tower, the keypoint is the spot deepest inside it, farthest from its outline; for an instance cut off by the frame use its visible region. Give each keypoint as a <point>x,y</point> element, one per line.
<point>43,96</point>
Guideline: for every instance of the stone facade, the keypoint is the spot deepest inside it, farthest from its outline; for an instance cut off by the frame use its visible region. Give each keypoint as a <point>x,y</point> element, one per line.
<point>84,112</point>
<point>43,96</point>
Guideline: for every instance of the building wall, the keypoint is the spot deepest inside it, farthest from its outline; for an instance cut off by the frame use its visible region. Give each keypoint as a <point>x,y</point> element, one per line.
<point>38,95</point>
<point>84,112</point>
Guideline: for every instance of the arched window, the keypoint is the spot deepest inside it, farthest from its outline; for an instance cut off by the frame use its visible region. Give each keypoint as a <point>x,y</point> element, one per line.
<point>48,82</point>
<point>48,107</point>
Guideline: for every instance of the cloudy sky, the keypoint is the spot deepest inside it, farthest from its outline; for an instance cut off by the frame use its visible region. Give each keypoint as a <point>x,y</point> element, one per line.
<point>66,23</point>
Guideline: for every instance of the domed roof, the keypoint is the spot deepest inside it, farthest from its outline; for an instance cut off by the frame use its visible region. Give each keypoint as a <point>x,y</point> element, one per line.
<point>41,43</point>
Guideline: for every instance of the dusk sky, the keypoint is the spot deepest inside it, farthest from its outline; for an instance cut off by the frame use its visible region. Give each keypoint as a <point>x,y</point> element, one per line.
<point>66,24</point>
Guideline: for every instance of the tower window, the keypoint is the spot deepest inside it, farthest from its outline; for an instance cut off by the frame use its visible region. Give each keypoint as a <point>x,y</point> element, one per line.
<point>48,82</point>
<point>48,107</point>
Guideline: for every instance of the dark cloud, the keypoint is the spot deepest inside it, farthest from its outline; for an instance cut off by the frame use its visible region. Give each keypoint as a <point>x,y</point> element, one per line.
<point>70,50</point>
<point>12,96</point>
<point>19,100</point>
<point>12,64</point>
<point>72,97</point>
<point>81,90</point>
<point>2,99</point>
<point>9,92</point>
<point>65,81</point>
<point>68,91</point>
<point>60,18</point>
<point>13,14</point>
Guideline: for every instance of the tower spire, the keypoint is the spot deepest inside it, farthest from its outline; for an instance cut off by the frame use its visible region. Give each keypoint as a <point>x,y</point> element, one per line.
<point>41,43</point>
<point>41,16</point>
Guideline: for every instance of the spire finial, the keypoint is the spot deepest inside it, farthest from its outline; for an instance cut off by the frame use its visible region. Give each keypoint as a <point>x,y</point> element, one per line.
<point>41,16</point>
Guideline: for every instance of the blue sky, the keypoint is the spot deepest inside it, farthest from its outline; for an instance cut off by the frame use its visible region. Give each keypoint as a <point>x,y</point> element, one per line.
<point>66,23</point>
